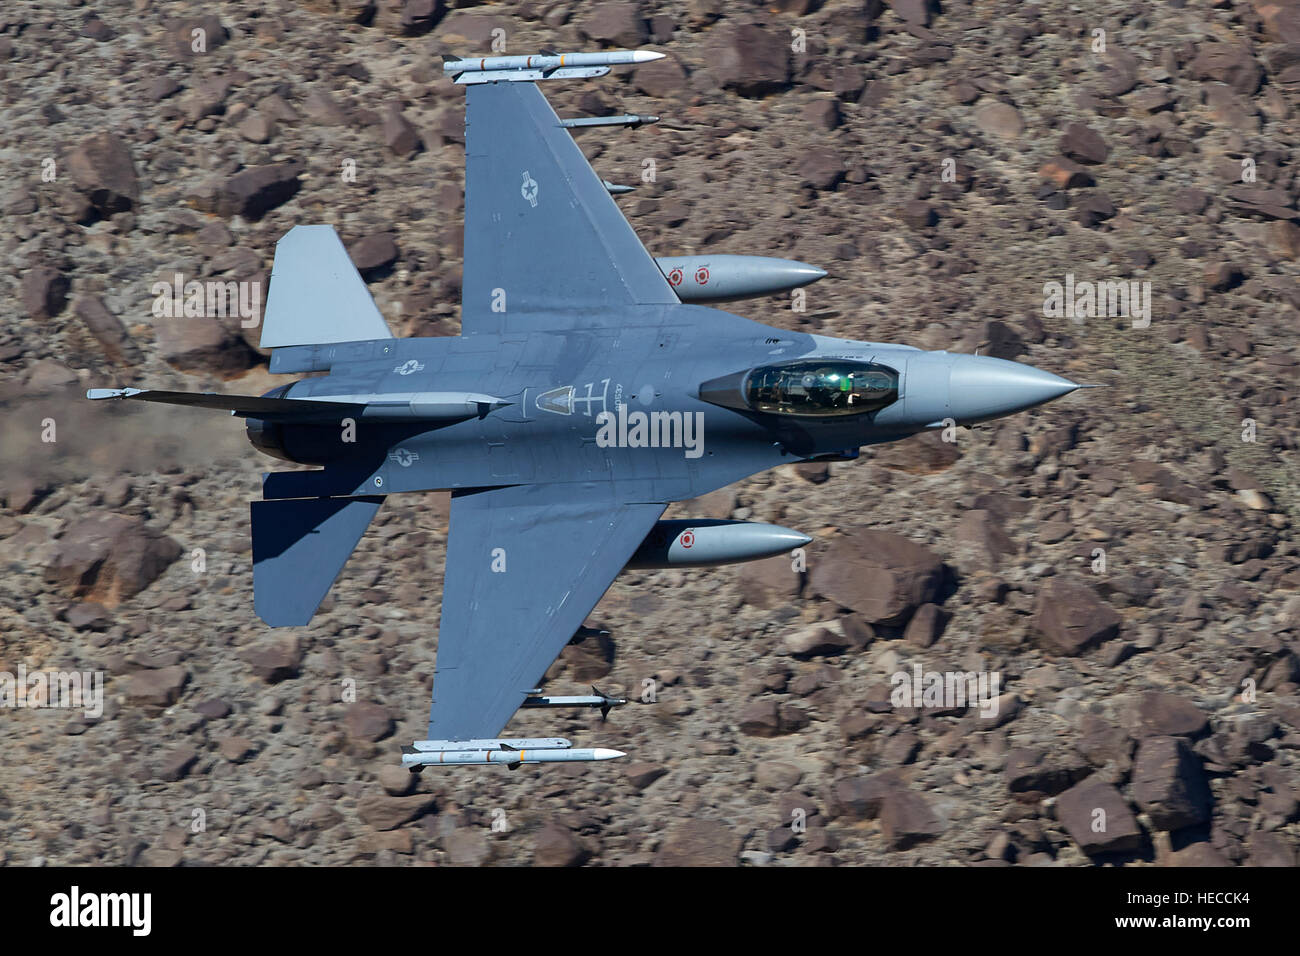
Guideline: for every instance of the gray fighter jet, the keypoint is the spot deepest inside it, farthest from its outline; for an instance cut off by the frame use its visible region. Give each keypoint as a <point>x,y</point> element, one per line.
<point>581,397</point>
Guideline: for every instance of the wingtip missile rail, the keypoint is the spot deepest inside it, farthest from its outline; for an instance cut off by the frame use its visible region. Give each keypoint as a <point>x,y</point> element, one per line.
<point>490,69</point>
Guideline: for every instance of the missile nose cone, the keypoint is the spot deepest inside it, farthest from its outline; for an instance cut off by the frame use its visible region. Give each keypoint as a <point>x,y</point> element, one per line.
<point>601,753</point>
<point>646,56</point>
<point>981,387</point>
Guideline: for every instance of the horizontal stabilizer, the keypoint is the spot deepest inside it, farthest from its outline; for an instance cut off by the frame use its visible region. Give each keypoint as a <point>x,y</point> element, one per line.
<point>238,404</point>
<point>316,296</point>
<point>299,548</point>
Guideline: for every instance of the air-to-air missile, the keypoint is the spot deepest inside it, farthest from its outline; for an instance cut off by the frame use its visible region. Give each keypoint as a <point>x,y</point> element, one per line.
<point>597,698</point>
<point>719,278</point>
<point>489,69</point>
<point>623,119</point>
<point>511,752</point>
<point>708,543</point>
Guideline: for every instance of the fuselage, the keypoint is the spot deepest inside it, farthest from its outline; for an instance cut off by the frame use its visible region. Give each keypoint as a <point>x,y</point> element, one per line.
<point>596,401</point>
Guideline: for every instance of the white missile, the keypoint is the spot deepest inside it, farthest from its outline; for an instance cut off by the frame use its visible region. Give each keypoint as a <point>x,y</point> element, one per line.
<point>419,759</point>
<point>489,69</point>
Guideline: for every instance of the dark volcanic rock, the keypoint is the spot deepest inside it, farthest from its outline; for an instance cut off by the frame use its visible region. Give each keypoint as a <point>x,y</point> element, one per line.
<point>1168,715</point>
<point>1070,618</point>
<point>555,845</point>
<point>109,558</point>
<point>883,576</point>
<point>699,843</point>
<point>751,60</point>
<point>906,818</point>
<point>1169,784</point>
<point>1033,774</point>
<point>44,292</point>
<point>373,254</point>
<point>107,330</point>
<point>275,660</point>
<point>1083,144</point>
<point>252,192</point>
<point>368,722</point>
<point>1097,818</point>
<point>102,169</point>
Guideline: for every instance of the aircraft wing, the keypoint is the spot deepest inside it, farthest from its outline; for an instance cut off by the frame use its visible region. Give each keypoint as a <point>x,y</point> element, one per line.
<point>525,566</point>
<point>542,234</point>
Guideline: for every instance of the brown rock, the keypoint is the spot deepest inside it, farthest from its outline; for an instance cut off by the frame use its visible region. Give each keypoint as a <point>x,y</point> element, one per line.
<point>1070,618</point>
<point>1065,173</point>
<point>102,169</point>
<point>176,764</point>
<point>751,60</point>
<point>981,531</point>
<point>201,345</point>
<point>421,16</point>
<point>996,118</point>
<point>642,775</point>
<point>238,749</point>
<point>555,845</point>
<point>761,718</point>
<point>618,23</point>
<point>160,687</point>
<point>913,11</point>
<point>907,819</point>
<point>383,812</point>
<point>1168,715</point>
<point>368,722</point>
<point>1097,818</point>
<point>860,798</point>
<point>400,135</point>
<point>822,167</point>
<point>699,843</point>
<point>883,576</point>
<point>662,80</point>
<point>109,558</point>
<point>1033,774</point>
<point>926,625</point>
<point>1169,784</point>
<point>1083,144</point>
<point>373,254</point>
<point>1227,64</point>
<point>275,660</point>
<point>250,193</point>
<point>44,292</point>
<point>107,330</point>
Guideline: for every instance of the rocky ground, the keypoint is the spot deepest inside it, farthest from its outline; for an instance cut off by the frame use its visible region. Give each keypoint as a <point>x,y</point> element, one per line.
<point>1124,559</point>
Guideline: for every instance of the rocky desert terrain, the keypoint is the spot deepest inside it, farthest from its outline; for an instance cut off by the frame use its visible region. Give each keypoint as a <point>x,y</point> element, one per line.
<point>1124,560</point>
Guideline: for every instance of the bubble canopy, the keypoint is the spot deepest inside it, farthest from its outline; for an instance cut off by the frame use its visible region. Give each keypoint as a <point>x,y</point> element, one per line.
<point>817,388</point>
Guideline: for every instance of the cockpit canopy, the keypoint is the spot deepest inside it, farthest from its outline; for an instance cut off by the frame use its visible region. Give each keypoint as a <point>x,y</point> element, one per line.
<point>807,387</point>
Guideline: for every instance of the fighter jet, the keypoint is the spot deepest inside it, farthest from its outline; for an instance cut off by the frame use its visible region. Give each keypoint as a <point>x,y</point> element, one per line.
<point>581,398</point>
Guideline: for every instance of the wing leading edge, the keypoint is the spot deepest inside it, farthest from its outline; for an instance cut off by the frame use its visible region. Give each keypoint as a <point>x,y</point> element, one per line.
<point>525,566</point>
<point>542,233</point>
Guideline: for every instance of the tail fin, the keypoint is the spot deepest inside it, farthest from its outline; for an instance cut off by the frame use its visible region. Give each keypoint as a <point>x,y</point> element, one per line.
<point>299,547</point>
<point>317,297</point>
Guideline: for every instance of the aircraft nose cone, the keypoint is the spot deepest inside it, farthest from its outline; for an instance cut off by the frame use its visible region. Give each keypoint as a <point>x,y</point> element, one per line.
<point>981,388</point>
